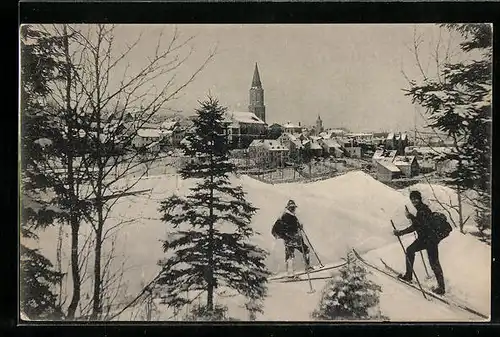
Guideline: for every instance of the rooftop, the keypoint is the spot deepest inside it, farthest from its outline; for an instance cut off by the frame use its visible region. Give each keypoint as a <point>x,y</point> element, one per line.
<point>244,117</point>
<point>389,165</point>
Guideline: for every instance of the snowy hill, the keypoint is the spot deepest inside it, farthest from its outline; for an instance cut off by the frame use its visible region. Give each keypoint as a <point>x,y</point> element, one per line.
<point>349,211</point>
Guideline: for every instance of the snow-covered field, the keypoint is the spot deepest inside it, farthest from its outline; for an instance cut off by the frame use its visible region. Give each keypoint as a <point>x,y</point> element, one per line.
<point>349,211</point>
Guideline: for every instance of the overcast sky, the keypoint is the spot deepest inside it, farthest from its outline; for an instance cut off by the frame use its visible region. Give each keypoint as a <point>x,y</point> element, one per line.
<point>348,74</point>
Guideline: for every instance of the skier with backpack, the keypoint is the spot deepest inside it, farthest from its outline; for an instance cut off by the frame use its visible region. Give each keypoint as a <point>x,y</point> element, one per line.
<point>288,228</point>
<point>431,228</point>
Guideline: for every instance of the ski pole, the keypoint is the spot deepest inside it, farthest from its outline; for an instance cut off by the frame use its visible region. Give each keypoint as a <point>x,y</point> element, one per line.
<point>307,267</point>
<point>423,261</point>
<point>404,251</point>
<point>314,250</point>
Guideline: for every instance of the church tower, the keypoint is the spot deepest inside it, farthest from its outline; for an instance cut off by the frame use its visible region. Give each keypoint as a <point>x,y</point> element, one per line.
<point>319,125</point>
<point>257,96</point>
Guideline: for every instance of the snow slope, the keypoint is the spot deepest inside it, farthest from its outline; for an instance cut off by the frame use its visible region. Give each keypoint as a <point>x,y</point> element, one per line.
<point>349,211</point>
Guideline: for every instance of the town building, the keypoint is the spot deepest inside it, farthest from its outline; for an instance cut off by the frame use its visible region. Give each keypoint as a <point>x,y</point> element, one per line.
<point>408,165</point>
<point>381,154</point>
<point>243,127</point>
<point>397,142</point>
<point>387,171</point>
<point>289,127</point>
<point>331,147</point>
<point>268,153</point>
<point>293,143</point>
<point>146,136</point>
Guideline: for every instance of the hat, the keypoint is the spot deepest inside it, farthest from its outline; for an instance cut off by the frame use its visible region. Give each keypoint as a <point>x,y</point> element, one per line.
<point>291,203</point>
<point>415,195</point>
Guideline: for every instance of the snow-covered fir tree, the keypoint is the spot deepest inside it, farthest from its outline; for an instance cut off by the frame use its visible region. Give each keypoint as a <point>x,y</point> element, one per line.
<point>212,245</point>
<point>39,69</point>
<point>458,103</point>
<point>349,295</point>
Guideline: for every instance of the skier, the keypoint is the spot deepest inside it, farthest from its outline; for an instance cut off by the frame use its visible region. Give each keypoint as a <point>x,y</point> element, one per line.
<point>288,228</point>
<point>422,224</point>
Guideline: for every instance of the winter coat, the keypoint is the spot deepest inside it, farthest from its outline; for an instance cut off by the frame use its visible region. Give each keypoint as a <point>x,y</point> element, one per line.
<point>422,223</point>
<point>287,226</point>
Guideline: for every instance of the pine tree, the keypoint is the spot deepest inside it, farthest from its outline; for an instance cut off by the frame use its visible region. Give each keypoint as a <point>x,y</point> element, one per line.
<point>212,247</point>
<point>39,67</point>
<point>349,296</point>
<point>458,102</point>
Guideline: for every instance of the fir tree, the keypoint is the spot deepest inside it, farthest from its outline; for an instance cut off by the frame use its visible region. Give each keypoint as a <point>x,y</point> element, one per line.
<point>212,246</point>
<point>39,68</point>
<point>458,103</point>
<point>349,296</point>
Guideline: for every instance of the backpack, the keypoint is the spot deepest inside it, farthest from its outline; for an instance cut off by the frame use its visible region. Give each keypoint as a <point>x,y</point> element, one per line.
<point>442,227</point>
<point>278,228</point>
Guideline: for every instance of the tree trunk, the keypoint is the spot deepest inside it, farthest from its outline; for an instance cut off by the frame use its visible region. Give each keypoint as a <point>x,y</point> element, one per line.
<point>210,276</point>
<point>75,270</point>
<point>460,215</point>
<point>96,298</point>
<point>74,221</point>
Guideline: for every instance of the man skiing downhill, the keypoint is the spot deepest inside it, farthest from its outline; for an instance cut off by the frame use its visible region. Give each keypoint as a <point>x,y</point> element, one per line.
<point>423,225</point>
<point>288,228</point>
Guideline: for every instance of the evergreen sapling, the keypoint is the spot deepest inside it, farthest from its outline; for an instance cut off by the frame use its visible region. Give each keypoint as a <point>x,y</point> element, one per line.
<point>349,296</point>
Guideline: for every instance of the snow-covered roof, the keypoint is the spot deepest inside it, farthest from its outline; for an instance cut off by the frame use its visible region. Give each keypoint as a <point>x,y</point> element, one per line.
<point>244,117</point>
<point>289,125</point>
<point>429,149</point>
<point>361,134</point>
<point>292,138</point>
<point>390,135</point>
<point>331,143</point>
<point>388,165</point>
<point>384,154</point>
<point>168,124</point>
<point>268,144</point>
<point>315,145</point>
<point>403,160</point>
<point>148,133</point>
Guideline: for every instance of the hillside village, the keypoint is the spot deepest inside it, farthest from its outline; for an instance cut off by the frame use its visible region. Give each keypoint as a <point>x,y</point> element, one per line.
<point>294,151</point>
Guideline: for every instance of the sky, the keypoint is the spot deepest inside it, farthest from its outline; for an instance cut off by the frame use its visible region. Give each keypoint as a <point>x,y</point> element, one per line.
<point>350,75</point>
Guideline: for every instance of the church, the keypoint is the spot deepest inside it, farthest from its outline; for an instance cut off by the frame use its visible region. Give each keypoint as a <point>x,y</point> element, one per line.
<point>245,126</point>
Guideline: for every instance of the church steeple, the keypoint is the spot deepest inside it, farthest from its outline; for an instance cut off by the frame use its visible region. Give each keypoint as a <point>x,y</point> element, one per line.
<point>256,78</point>
<point>256,104</point>
<point>319,125</point>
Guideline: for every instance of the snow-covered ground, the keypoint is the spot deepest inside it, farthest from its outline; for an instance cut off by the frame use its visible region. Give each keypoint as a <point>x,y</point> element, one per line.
<point>349,211</point>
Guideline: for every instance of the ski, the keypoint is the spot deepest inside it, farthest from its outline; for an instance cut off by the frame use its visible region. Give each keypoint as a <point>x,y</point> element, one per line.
<point>298,279</point>
<point>314,270</point>
<point>393,274</point>
<point>446,296</point>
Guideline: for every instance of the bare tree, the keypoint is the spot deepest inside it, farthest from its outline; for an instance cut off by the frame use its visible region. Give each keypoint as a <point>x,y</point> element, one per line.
<point>110,115</point>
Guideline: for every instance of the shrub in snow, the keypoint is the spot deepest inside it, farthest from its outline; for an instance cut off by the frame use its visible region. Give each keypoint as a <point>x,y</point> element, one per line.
<point>349,296</point>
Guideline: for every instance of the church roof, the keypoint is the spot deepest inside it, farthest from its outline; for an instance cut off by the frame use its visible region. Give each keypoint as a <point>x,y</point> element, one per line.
<point>256,78</point>
<point>244,117</point>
